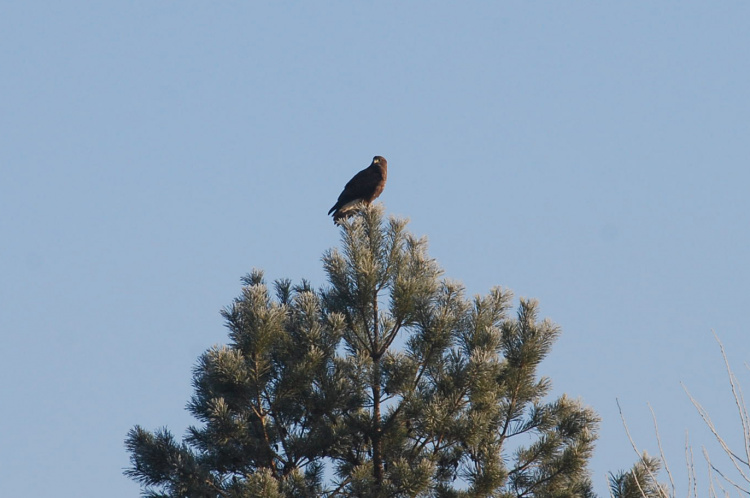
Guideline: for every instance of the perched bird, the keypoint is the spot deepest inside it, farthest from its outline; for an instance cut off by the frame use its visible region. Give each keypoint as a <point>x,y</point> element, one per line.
<point>363,188</point>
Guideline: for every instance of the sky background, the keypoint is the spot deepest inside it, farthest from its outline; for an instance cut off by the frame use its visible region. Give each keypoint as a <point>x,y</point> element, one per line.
<point>592,155</point>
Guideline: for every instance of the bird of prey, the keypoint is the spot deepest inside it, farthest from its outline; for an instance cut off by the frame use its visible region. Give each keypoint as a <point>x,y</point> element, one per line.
<point>363,188</point>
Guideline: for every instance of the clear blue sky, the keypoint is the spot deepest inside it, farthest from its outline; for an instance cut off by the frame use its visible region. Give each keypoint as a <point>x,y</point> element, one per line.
<point>593,155</point>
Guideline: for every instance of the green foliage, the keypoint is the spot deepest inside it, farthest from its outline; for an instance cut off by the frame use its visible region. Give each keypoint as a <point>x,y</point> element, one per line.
<point>314,378</point>
<point>638,482</point>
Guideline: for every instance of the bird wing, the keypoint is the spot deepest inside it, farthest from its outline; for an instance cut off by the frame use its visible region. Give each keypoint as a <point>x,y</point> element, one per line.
<point>361,186</point>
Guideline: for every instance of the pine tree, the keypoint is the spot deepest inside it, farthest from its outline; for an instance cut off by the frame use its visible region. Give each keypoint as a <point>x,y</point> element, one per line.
<point>388,382</point>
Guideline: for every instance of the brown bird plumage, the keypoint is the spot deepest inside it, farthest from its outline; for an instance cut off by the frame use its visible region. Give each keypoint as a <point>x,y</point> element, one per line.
<point>363,188</point>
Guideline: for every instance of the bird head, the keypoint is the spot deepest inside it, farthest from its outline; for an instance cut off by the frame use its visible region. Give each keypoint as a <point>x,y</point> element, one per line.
<point>379,160</point>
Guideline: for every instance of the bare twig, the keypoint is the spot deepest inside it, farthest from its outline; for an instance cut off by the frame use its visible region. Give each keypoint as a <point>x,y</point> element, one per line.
<point>711,478</point>
<point>635,448</point>
<point>718,471</point>
<point>690,464</point>
<point>661,450</point>
<point>736,460</point>
<point>723,490</point>
<point>739,401</point>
